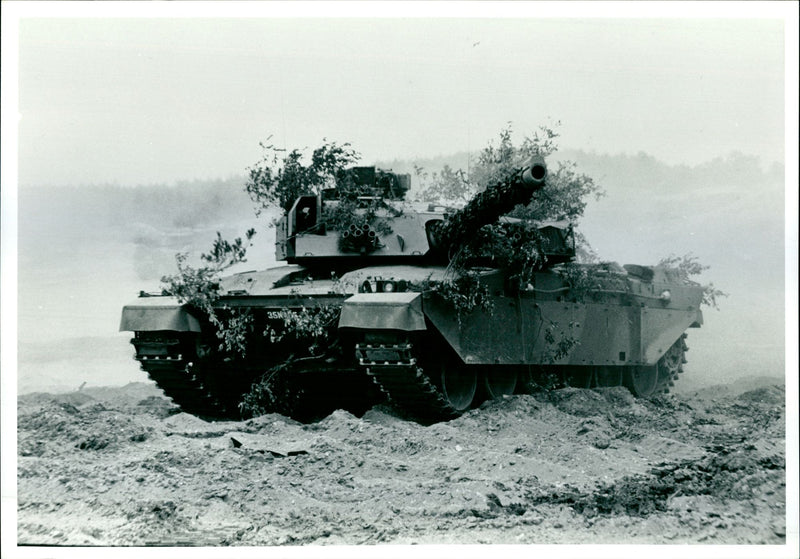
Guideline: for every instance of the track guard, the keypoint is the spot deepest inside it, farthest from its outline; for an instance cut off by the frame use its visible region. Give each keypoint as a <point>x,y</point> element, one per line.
<point>383,311</point>
<point>148,314</point>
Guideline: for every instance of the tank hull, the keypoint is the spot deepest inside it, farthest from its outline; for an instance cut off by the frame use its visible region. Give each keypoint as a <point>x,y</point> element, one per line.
<point>405,345</point>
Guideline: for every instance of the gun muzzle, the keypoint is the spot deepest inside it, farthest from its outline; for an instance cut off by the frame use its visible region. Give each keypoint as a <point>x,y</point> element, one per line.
<point>535,171</point>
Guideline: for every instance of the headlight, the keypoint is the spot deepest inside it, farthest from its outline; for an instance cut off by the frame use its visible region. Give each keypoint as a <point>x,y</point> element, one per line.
<point>381,285</point>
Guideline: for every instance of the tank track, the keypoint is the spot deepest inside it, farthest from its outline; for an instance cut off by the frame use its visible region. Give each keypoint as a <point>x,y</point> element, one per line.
<point>168,363</point>
<point>672,370</point>
<point>396,372</point>
<point>212,389</point>
<point>394,369</point>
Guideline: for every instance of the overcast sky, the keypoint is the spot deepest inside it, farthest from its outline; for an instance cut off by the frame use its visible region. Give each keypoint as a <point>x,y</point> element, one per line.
<point>150,100</point>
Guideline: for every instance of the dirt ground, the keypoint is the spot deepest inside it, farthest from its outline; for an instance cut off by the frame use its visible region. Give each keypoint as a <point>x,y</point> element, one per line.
<point>120,467</point>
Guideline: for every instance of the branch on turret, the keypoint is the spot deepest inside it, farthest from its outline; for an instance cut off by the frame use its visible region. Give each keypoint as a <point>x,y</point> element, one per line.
<point>488,206</point>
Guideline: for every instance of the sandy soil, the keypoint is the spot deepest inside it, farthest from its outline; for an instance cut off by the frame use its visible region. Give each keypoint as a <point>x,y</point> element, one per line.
<point>120,466</point>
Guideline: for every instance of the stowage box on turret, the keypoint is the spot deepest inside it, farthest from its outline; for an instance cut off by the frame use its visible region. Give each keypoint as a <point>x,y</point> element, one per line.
<point>385,267</point>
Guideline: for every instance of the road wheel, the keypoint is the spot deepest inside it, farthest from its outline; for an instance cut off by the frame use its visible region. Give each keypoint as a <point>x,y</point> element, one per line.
<point>499,382</point>
<point>579,378</point>
<point>642,381</point>
<point>459,384</point>
<point>608,376</point>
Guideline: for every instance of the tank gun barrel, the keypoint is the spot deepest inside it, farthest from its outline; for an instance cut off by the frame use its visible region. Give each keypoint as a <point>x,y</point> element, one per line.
<point>488,206</point>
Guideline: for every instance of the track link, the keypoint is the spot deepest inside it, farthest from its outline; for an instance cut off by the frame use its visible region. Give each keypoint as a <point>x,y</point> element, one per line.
<point>169,362</point>
<point>394,369</point>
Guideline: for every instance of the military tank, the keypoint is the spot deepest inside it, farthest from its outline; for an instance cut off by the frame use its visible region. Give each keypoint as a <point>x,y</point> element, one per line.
<point>412,314</point>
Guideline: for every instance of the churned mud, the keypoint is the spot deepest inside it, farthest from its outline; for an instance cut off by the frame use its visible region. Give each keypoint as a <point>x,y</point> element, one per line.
<point>120,466</point>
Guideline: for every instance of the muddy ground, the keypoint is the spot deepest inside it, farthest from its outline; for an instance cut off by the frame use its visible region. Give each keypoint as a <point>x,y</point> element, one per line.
<point>120,467</point>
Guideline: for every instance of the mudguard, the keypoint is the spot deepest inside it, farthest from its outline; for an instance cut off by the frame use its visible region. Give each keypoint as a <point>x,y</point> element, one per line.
<point>149,314</point>
<point>383,311</point>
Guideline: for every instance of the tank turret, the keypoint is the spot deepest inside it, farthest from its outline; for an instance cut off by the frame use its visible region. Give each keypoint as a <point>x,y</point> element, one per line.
<point>362,216</point>
<point>365,217</point>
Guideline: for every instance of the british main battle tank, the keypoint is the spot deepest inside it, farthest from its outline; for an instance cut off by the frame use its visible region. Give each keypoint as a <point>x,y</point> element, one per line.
<point>406,315</point>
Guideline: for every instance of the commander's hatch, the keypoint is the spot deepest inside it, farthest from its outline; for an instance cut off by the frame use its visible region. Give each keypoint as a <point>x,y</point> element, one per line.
<point>304,217</point>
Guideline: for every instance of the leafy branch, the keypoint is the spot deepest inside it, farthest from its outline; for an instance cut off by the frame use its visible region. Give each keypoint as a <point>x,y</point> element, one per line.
<point>314,325</point>
<point>559,348</point>
<point>687,266</point>
<point>567,189</point>
<point>465,294</point>
<point>199,288</point>
<point>281,177</point>
<point>273,392</point>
